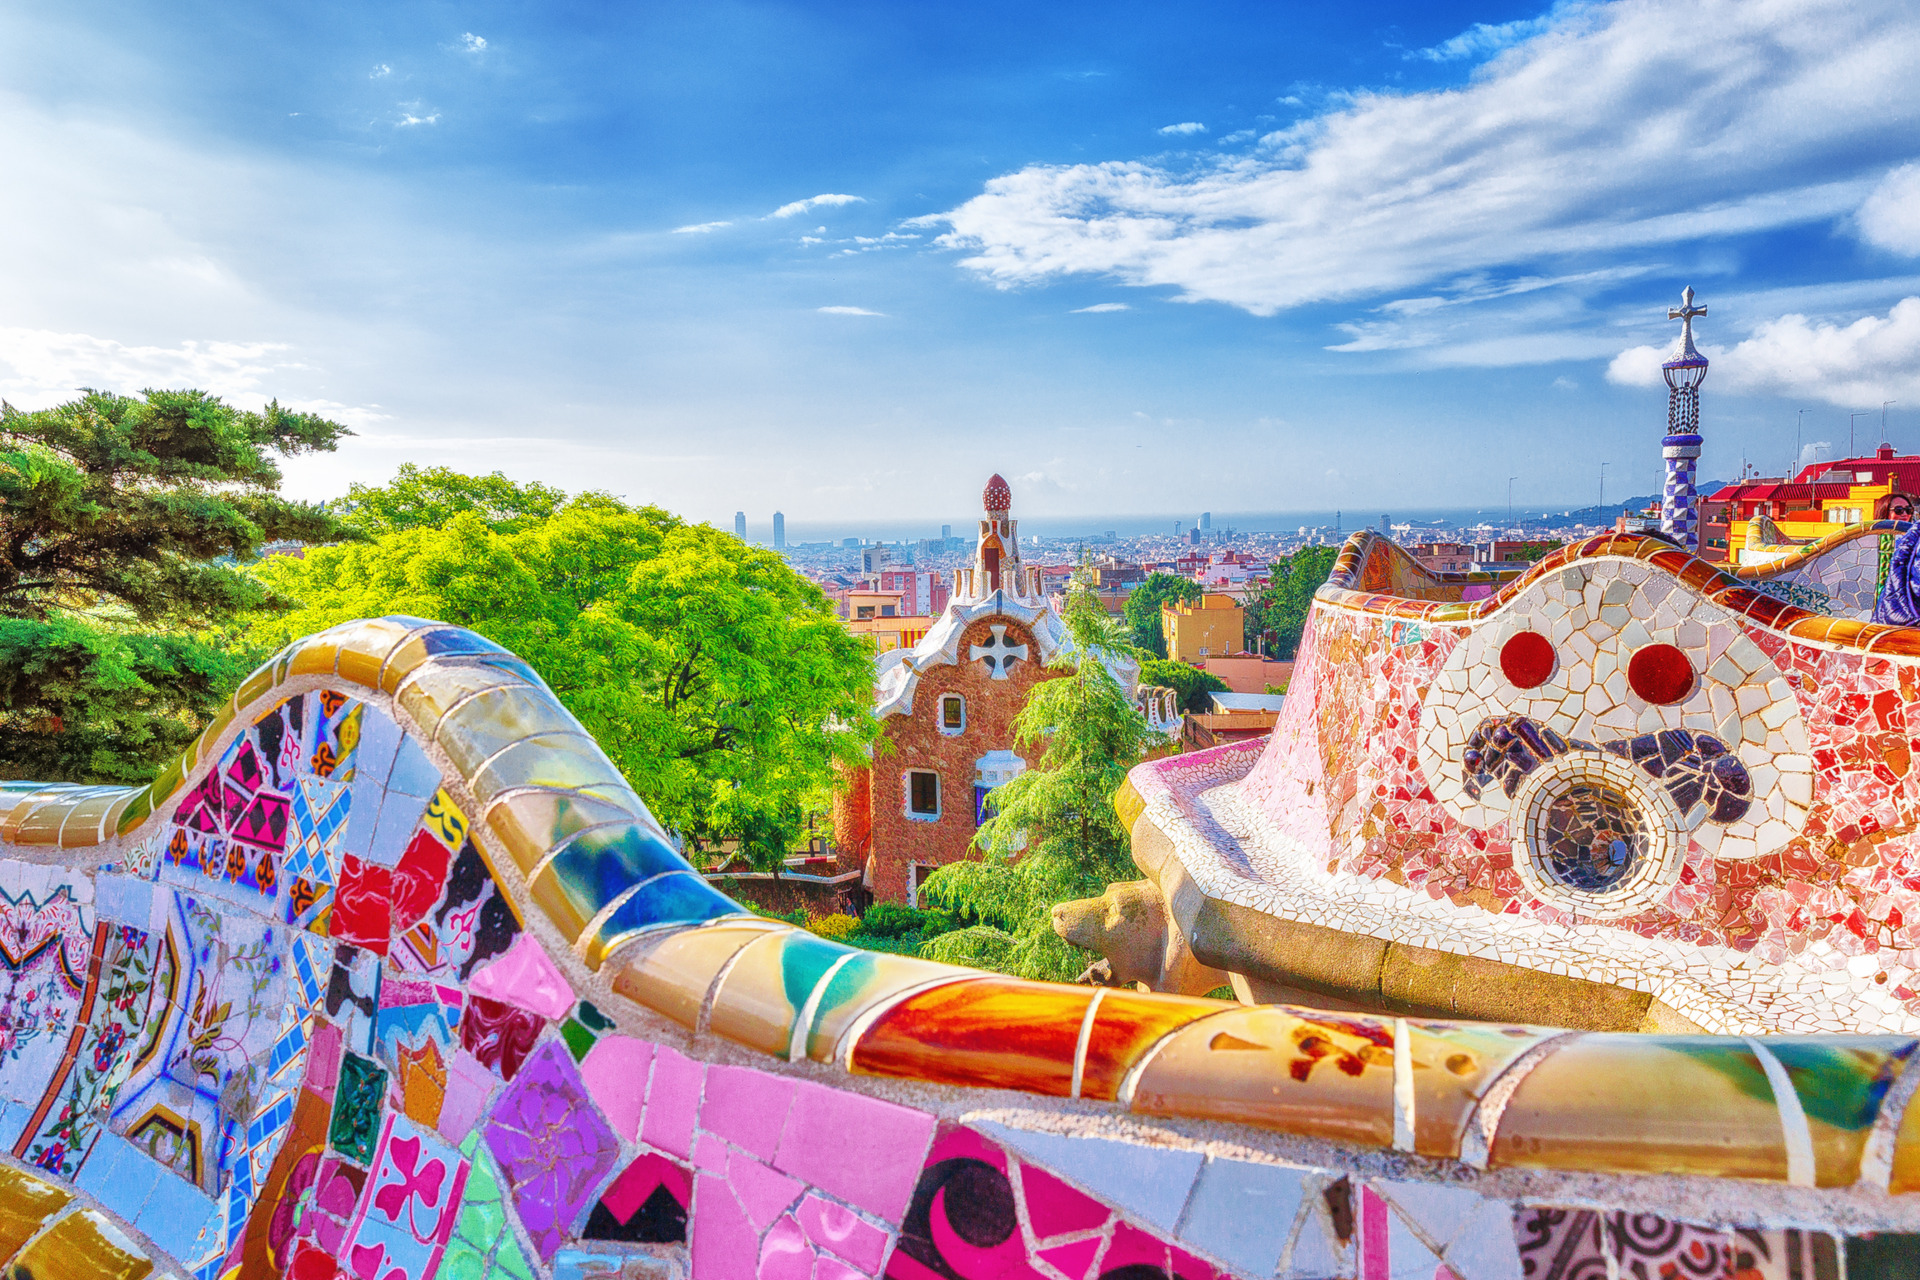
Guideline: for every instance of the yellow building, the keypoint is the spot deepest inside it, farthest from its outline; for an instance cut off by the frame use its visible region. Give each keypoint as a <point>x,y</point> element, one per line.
<point>1805,524</point>
<point>1215,625</point>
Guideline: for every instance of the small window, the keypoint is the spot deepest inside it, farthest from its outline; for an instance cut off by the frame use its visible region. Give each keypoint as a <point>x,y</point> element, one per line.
<point>863,612</point>
<point>886,611</point>
<point>923,794</point>
<point>953,713</point>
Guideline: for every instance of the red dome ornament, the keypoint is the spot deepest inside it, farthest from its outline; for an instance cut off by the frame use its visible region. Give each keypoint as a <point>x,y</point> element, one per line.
<point>998,497</point>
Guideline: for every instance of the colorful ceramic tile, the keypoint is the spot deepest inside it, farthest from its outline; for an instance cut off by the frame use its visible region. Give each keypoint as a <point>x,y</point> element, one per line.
<point>646,1204</point>
<point>498,1036</point>
<point>357,1100</point>
<point>407,1213</point>
<point>551,1145</point>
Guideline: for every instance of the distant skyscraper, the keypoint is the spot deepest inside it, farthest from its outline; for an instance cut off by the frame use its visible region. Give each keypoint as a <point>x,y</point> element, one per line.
<point>740,525</point>
<point>1386,527</point>
<point>1206,520</point>
<point>779,532</point>
<point>946,531</point>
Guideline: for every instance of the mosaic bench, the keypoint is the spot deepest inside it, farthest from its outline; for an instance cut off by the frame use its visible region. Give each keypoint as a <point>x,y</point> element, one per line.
<point>392,976</point>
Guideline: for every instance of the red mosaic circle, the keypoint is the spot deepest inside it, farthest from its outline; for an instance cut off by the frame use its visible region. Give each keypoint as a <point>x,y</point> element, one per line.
<point>1527,659</point>
<point>1661,674</point>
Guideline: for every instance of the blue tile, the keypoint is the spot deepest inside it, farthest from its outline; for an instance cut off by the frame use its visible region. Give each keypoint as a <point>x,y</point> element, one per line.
<point>119,1175</point>
<point>400,816</point>
<point>1242,1213</point>
<point>124,900</point>
<point>413,774</point>
<point>175,1213</point>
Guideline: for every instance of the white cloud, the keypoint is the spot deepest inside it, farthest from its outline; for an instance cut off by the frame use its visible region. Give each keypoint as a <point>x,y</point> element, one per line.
<point>814,202</point>
<point>849,311</point>
<point>380,69</point>
<point>408,120</point>
<point>1890,217</point>
<point>1860,364</point>
<point>44,367</point>
<point>472,43</point>
<point>700,228</point>
<point>1603,133</point>
<point>1483,39</point>
<point>1100,308</point>
<point>1190,126</point>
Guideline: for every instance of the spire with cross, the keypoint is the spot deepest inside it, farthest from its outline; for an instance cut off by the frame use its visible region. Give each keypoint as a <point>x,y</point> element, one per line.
<point>1685,313</point>
<point>1684,371</point>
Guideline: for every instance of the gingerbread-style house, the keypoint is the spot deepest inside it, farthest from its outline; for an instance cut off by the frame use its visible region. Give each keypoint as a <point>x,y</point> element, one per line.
<point>948,706</point>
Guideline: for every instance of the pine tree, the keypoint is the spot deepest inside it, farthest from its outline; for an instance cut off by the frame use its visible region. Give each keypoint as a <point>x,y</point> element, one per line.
<point>124,522</point>
<point>1054,834</point>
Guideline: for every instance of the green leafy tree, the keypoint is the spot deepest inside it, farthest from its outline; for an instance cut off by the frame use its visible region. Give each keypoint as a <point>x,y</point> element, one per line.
<point>716,678</point>
<point>1054,834</point>
<point>124,521</point>
<point>1189,682</point>
<point>1143,608</point>
<point>1278,617</point>
<point>427,497</point>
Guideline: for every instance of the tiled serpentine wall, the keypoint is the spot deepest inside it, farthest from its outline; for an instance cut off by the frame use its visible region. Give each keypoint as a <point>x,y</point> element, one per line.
<point>393,977</point>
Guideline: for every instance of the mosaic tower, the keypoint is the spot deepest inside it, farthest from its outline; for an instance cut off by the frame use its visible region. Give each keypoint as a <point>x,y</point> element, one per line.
<point>1681,446</point>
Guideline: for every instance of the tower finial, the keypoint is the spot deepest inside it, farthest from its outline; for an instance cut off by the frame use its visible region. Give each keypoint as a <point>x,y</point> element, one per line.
<point>1684,371</point>
<point>1685,314</point>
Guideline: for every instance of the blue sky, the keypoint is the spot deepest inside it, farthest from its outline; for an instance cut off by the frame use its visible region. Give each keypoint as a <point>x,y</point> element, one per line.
<point>846,260</point>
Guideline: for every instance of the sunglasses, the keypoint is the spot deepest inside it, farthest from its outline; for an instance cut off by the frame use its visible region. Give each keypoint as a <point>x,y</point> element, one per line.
<point>1902,510</point>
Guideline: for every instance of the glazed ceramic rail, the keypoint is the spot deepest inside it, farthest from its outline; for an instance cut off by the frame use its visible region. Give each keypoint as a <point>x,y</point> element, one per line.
<point>559,825</point>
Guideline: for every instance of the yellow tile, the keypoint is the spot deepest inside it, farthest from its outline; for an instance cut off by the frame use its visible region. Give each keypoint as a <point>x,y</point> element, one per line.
<point>530,823</point>
<point>83,1246</point>
<point>428,695</point>
<point>1623,1103</point>
<point>670,972</point>
<point>554,761</point>
<point>489,722</point>
<point>25,1203</point>
<point>1321,1075</point>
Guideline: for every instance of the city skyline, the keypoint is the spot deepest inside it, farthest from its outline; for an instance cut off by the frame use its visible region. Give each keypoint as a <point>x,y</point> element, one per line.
<point>847,261</point>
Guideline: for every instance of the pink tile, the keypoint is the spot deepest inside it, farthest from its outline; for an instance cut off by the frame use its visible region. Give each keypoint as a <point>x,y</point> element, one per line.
<point>836,1227</point>
<point>864,1151</point>
<point>323,1060</point>
<point>1134,1247</point>
<point>785,1255</point>
<point>828,1267</point>
<point>721,1240</point>
<point>1072,1259</point>
<point>710,1155</point>
<point>746,1107</point>
<point>615,1071</point>
<point>764,1194</point>
<point>1373,1236</point>
<point>673,1099</point>
<point>526,978</point>
<point>469,1085</point>
<point>640,1179</point>
<point>1054,1208</point>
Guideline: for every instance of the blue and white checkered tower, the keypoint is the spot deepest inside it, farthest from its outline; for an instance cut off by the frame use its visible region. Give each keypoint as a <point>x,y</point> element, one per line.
<point>1681,447</point>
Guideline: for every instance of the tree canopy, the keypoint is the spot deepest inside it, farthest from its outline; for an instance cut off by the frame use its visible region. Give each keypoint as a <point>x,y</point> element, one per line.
<point>124,523</point>
<point>1054,834</point>
<point>716,678</point>
<point>427,497</point>
<point>1189,682</point>
<point>1279,616</point>
<point>1143,608</point>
